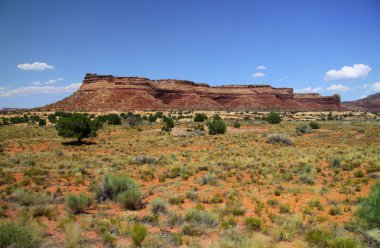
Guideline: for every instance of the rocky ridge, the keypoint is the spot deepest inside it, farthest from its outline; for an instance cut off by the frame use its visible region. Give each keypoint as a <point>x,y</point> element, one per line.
<point>109,93</point>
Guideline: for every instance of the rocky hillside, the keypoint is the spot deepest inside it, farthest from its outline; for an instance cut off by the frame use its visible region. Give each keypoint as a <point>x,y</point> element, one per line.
<point>107,93</point>
<point>370,104</point>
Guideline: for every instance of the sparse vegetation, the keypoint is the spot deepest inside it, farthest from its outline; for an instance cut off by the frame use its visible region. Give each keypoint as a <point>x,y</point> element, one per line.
<point>241,189</point>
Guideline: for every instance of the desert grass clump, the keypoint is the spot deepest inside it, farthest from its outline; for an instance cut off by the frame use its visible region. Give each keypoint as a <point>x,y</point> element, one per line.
<point>318,237</point>
<point>369,209</point>
<point>209,179</point>
<point>17,235</point>
<point>314,125</point>
<point>277,138</point>
<point>78,203</point>
<point>114,185</point>
<point>142,159</point>
<point>303,129</point>
<point>253,224</point>
<point>201,217</point>
<point>138,234</point>
<point>158,206</point>
<point>130,199</point>
<point>335,162</point>
<point>28,198</point>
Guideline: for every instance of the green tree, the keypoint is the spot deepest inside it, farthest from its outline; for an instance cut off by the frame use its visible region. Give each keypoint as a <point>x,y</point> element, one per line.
<point>273,118</point>
<point>77,126</point>
<point>217,127</point>
<point>200,117</point>
<point>168,124</point>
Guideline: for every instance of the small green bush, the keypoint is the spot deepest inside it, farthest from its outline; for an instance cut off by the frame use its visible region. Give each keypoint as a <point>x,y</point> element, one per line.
<point>303,129</point>
<point>253,224</point>
<point>158,206</point>
<point>314,125</point>
<point>369,209</point>
<point>42,122</point>
<point>279,139</point>
<point>318,238</point>
<point>273,118</point>
<point>130,199</point>
<point>113,185</point>
<point>237,124</point>
<point>200,117</point>
<point>335,162</point>
<point>138,234</point>
<point>16,235</point>
<point>78,203</point>
<point>217,127</point>
<point>359,173</point>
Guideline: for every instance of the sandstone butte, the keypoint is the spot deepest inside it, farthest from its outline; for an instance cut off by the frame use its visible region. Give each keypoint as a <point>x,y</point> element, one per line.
<point>108,93</point>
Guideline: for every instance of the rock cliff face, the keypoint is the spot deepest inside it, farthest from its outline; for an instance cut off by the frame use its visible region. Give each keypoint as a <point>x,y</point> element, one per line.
<point>107,93</point>
<point>370,103</point>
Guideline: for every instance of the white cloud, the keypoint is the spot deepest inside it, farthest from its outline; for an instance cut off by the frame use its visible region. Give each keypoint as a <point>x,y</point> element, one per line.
<point>258,75</point>
<point>32,90</point>
<point>309,90</point>
<point>51,81</point>
<point>36,66</point>
<point>356,71</point>
<point>261,67</point>
<point>338,88</point>
<point>376,87</point>
<point>283,78</point>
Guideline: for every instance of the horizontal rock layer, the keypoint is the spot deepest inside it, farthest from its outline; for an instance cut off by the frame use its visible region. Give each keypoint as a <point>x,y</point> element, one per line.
<point>371,104</point>
<point>109,93</point>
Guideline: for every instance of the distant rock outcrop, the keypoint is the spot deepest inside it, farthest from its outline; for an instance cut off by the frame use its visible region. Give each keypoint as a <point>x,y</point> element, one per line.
<point>107,93</point>
<point>370,104</point>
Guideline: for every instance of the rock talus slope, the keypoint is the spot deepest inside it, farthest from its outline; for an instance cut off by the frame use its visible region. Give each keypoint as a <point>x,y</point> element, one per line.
<point>109,93</point>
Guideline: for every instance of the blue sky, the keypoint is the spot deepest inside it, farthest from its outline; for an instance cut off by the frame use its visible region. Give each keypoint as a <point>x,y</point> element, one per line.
<point>325,46</point>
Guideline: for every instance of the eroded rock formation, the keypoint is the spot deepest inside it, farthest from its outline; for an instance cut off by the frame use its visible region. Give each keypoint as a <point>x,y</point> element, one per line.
<point>107,93</point>
<point>371,104</point>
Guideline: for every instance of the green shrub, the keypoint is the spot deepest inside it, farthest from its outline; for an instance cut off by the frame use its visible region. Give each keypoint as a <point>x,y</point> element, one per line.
<point>112,119</point>
<point>217,127</point>
<point>209,179</point>
<point>253,224</point>
<point>303,129</point>
<point>237,124</point>
<point>335,211</point>
<point>27,198</point>
<point>201,217</point>
<point>318,238</point>
<point>168,124</point>
<point>42,122</point>
<point>273,118</point>
<point>279,139</point>
<point>369,209</point>
<point>138,234</point>
<point>284,208</point>
<point>335,162</point>
<point>16,235</point>
<point>200,117</point>
<point>113,185</point>
<point>52,118</point>
<point>359,173</point>
<point>130,199</point>
<point>158,206</point>
<point>342,242</point>
<point>78,203</point>
<point>176,200</point>
<point>314,125</point>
